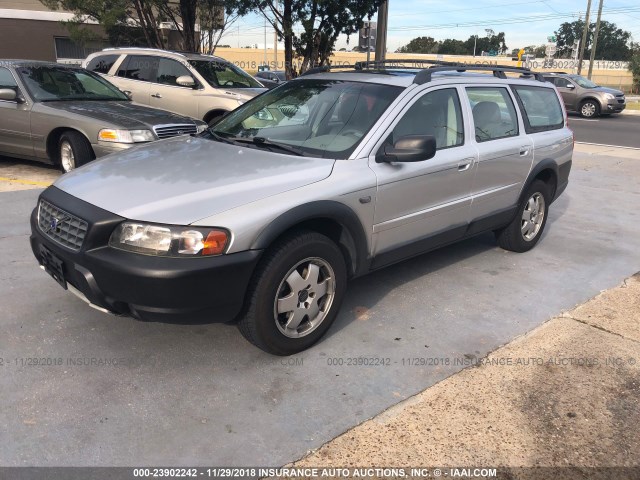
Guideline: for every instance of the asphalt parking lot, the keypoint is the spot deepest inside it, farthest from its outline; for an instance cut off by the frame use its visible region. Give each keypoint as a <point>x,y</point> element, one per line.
<point>84,389</point>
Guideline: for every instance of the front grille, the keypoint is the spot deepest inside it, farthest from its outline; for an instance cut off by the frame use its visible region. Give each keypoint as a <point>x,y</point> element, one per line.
<point>61,226</point>
<point>168,131</point>
<point>620,98</point>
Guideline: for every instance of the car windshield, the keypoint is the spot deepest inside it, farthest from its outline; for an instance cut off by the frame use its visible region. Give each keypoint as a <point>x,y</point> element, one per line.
<point>49,83</point>
<point>583,82</point>
<point>322,118</point>
<point>223,74</point>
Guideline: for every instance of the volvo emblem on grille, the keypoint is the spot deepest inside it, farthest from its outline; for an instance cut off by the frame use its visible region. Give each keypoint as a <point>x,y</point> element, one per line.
<point>54,223</point>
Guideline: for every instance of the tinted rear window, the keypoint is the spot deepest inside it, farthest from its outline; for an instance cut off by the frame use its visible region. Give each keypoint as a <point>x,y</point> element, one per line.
<point>541,108</point>
<point>102,63</point>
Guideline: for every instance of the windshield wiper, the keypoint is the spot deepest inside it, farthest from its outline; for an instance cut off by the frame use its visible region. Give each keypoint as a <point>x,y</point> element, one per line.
<point>219,138</point>
<point>264,142</point>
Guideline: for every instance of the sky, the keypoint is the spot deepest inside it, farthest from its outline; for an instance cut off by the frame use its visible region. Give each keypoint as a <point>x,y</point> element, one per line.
<point>525,22</point>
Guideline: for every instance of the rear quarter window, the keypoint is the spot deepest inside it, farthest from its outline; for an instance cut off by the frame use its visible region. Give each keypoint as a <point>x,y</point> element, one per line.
<point>540,107</point>
<point>102,63</point>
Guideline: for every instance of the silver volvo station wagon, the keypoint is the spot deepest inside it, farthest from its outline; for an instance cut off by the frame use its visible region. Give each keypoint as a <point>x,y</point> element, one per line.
<point>264,218</point>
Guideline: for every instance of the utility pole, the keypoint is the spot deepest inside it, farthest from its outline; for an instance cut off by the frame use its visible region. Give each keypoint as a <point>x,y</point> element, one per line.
<point>265,42</point>
<point>585,36</point>
<point>275,44</point>
<point>595,40</point>
<point>381,36</point>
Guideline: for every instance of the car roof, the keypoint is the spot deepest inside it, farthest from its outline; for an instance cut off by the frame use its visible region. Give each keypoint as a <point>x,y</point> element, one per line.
<point>159,53</point>
<point>405,77</point>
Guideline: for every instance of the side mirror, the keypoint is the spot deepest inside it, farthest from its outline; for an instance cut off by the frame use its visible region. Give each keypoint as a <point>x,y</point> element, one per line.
<point>412,148</point>
<point>185,81</point>
<point>570,86</point>
<point>8,94</point>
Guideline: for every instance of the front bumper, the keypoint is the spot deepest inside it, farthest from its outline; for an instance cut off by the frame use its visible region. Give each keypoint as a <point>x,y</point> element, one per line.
<point>173,290</point>
<point>102,149</point>
<point>615,107</point>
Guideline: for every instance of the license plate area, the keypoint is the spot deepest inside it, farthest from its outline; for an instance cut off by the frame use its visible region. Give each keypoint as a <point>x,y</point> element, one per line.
<point>53,265</point>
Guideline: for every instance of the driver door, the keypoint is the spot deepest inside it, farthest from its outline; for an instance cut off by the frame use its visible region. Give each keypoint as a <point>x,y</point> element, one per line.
<point>166,94</point>
<point>15,120</point>
<point>568,91</point>
<point>423,205</point>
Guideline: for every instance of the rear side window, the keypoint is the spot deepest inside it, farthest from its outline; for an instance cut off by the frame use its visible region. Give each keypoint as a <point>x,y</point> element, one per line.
<point>102,63</point>
<point>139,67</point>
<point>541,108</point>
<point>494,114</point>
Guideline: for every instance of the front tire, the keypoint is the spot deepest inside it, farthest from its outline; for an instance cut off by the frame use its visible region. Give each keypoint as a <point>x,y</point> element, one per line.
<point>74,150</point>
<point>295,294</point>
<point>589,109</point>
<point>524,232</point>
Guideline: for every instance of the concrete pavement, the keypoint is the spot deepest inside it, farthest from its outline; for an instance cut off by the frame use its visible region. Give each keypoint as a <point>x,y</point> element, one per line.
<point>565,395</point>
<point>200,395</point>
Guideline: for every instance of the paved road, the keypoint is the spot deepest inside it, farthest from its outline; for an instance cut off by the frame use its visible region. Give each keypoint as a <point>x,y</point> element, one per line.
<point>622,130</point>
<point>133,393</point>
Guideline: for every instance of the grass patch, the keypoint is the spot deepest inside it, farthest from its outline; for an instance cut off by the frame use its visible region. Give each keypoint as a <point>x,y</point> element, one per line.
<point>633,106</point>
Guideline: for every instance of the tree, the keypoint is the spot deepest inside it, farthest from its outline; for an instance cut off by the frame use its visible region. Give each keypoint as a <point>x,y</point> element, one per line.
<point>634,64</point>
<point>450,46</point>
<point>118,16</point>
<point>613,42</point>
<point>490,43</point>
<point>216,16</point>
<point>421,45</point>
<point>322,21</point>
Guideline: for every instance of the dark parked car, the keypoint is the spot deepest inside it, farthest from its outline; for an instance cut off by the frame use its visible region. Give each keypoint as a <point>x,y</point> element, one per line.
<point>272,78</point>
<point>68,116</point>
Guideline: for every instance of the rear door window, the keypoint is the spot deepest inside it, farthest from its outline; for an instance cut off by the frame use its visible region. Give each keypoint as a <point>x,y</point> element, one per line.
<point>139,67</point>
<point>102,63</point>
<point>494,114</point>
<point>542,110</point>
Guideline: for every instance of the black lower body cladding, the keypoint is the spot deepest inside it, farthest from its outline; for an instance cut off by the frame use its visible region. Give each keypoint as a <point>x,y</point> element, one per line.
<point>172,290</point>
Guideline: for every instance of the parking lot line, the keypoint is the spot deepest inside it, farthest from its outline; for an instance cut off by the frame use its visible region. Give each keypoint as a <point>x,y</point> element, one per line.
<point>605,145</point>
<point>25,182</point>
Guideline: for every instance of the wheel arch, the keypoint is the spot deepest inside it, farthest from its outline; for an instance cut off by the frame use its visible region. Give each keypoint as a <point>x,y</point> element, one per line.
<point>593,98</point>
<point>53,140</point>
<point>333,219</point>
<point>545,170</point>
<point>214,113</point>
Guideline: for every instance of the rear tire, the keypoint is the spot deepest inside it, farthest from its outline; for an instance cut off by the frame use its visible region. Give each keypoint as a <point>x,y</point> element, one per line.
<point>295,294</point>
<point>74,150</point>
<point>524,232</point>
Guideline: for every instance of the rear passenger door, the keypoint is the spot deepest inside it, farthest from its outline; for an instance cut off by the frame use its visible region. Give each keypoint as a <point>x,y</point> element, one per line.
<point>424,204</point>
<point>505,152</point>
<point>135,74</point>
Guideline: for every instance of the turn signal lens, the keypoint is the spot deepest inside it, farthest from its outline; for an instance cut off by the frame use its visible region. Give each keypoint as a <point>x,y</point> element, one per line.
<point>215,243</point>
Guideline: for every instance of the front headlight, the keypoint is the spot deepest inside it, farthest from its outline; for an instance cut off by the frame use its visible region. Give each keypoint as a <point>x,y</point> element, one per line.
<point>609,96</point>
<point>169,240</point>
<point>125,136</point>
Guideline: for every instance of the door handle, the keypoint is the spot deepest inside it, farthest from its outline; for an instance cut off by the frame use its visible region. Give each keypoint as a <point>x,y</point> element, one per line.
<point>156,95</point>
<point>524,151</point>
<point>465,164</point>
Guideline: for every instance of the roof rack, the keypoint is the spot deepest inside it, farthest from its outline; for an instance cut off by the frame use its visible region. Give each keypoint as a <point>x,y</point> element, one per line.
<point>425,74</point>
<point>498,71</point>
<point>557,73</point>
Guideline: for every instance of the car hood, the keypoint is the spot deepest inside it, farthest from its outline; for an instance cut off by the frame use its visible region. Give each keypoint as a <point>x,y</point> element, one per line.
<point>612,91</point>
<point>185,179</point>
<point>125,114</point>
<point>246,92</point>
